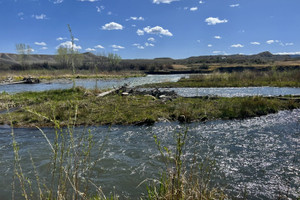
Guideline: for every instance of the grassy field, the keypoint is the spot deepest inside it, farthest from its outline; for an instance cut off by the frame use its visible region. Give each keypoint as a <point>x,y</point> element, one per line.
<point>238,79</point>
<point>43,108</point>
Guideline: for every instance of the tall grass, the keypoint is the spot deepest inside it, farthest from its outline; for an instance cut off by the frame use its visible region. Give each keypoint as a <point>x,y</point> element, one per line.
<point>177,182</point>
<point>70,165</point>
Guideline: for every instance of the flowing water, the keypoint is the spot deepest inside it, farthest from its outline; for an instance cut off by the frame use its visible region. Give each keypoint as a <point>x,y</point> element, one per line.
<point>90,83</point>
<point>137,81</point>
<point>260,154</point>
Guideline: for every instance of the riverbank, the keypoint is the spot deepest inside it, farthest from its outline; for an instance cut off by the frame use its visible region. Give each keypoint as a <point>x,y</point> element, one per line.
<point>30,109</point>
<point>11,76</point>
<point>289,78</point>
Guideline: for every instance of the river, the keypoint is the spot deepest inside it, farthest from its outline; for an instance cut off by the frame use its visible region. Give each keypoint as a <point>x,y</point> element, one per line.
<point>137,81</point>
<point>260,154</point>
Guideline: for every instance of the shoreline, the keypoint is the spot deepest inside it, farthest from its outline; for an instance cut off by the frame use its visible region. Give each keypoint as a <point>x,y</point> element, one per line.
<point>60,106</point>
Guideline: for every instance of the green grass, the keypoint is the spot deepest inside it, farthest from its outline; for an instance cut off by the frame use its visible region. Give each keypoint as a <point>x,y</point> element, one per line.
<point>238,79</point>
<point>128,110</point>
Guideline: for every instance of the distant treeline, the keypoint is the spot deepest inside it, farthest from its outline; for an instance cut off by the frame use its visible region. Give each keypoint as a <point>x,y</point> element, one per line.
<point>113,62</point>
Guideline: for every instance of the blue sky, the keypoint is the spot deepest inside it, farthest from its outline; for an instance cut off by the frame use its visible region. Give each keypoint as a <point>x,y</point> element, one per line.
<point>152,28</point>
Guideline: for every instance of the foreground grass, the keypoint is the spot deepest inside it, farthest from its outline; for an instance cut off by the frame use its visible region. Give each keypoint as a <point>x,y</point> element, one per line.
<point>238,79</point>
<point>128,110</point>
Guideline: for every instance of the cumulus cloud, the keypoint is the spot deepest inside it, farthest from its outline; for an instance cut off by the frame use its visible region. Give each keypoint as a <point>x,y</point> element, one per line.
<point>193,8</point>
<point>68,44</point>
<point>99,47</point>
<point>60,38</point>
<point>218,37</point>
<point>117,47</point>
<point>255,43</point>
<point>90,49</point>
<point>112,26</point>
<point>57,1</point>
<point>136,19</point>
<point>237,46</point>
<point>163,1</point>
<point>76,39</point>
<point>234,5</point>
<point>270,41</point>
<point>44,48</point>
<point>151,39</point>
<point>209,45</point>
<point>149,44</point>
<point>40,43</point>
<point>201,2</point>
<point>289,44</point>
<point>215,20</point>
<point>39,17</point>
<point>157,30</point>
<point>140,32</point>
<point>138,46</point>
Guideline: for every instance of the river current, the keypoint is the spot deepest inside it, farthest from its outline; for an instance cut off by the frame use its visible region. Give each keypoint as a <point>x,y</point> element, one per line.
<point>260,155</point>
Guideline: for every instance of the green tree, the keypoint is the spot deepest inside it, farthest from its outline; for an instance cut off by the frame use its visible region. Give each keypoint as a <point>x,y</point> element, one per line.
<point>23,51</point>
<point>114,59</point>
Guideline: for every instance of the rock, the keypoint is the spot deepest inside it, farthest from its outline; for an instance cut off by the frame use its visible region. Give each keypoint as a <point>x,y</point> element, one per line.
<point>125,94</point>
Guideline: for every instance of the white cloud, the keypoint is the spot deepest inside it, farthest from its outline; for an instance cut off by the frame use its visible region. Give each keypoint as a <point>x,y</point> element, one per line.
<point>163,1</point>
<point>237,46</point>
<point>288,53</point>
<point>255,43</point>
<point>60,38</point>
<point>57,1</point>
<point>289,44</point>
<point>151,39</point>
<point>68,44</point>
<point>112,26</point>
<point>138,46</point>
<point>117,47</point>
<point>99,46</point>
<point>20,14</point>
<point>39,17</point>
<point>217,52</point>
<point>209,45</point>
<point>158,31</point>
<point>270,41</point>
<point>40,43</point>
<point>149,44</point>
<point>201,2</point>
<point>215,20</point>
<point>99,8</point>
<point>218,37</point>
<point>193,8</point>
<point>44,48</point>
<point>140,32</point>
<point>109,13</point>
<point>76,39</point>
<point>136,19</point>
<point>234,5</point>
<point>90,49</point>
